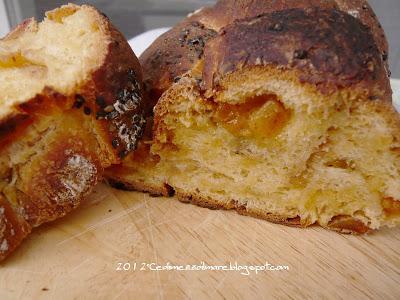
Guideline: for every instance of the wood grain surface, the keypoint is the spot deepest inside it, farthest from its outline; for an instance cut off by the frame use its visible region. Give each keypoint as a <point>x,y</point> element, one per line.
<point>78,256</point>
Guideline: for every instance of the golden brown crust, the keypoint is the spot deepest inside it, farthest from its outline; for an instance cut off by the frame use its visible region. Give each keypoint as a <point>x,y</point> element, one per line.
<point>173,54</point>
<point>341,224</point>
<point>197,199</point>
<point>55,180</point>
<point>347,224</point>
<point>155,190</point>
<point>166,59</point>
<point>331,49</point>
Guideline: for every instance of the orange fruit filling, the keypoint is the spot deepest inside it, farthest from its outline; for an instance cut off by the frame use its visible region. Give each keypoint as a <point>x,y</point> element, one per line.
<point>390,206</point>
<point>259,117</point>
<point>14,61</point>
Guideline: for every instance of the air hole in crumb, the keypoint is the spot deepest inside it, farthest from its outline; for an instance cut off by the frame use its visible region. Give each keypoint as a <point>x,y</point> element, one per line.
<point>244,173</point>
<point>341,164</point>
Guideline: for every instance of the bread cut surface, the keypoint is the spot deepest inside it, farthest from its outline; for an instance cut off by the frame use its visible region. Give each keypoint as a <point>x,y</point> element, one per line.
<point>286,116</point>
<point>61,52</point>
<point>70,106</point>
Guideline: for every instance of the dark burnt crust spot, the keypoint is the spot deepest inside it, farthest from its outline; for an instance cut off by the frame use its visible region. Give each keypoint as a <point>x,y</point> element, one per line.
<point>100,101</point>
<point>170,191</point>
<point>373,98</point>
<point>115,143</point>
<point>174,54</point>
<point>79,101</point>
<point>100,115</point>
<point>300,54</point>
<point>104,15</point>
<point>118,185</point>
<point>122,154</point>
<point>87,111</point>
<point>10,127</point>
<point>331,48</point>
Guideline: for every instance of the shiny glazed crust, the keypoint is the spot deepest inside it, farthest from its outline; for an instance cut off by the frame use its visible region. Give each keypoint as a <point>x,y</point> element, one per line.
<point>101,122</point>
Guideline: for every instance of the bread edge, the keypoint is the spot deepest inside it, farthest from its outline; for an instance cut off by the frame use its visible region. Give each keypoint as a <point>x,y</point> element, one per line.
<point>344,224</point>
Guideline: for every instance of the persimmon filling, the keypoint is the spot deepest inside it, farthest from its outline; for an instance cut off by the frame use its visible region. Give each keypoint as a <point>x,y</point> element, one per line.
<point>259,117</point>
<point>391,207</point>
<point>14,61</point>
<point>59,15</point>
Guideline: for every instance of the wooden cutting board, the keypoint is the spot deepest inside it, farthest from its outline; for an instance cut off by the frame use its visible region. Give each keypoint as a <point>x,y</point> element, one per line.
<point>78,256</point>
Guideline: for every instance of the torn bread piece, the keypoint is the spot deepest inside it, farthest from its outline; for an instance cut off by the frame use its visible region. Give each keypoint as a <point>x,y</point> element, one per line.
<point>70,106</point>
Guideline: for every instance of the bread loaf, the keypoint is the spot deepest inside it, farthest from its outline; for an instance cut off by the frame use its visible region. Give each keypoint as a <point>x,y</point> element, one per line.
<point>285,116</point>
<point>70,106</point>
